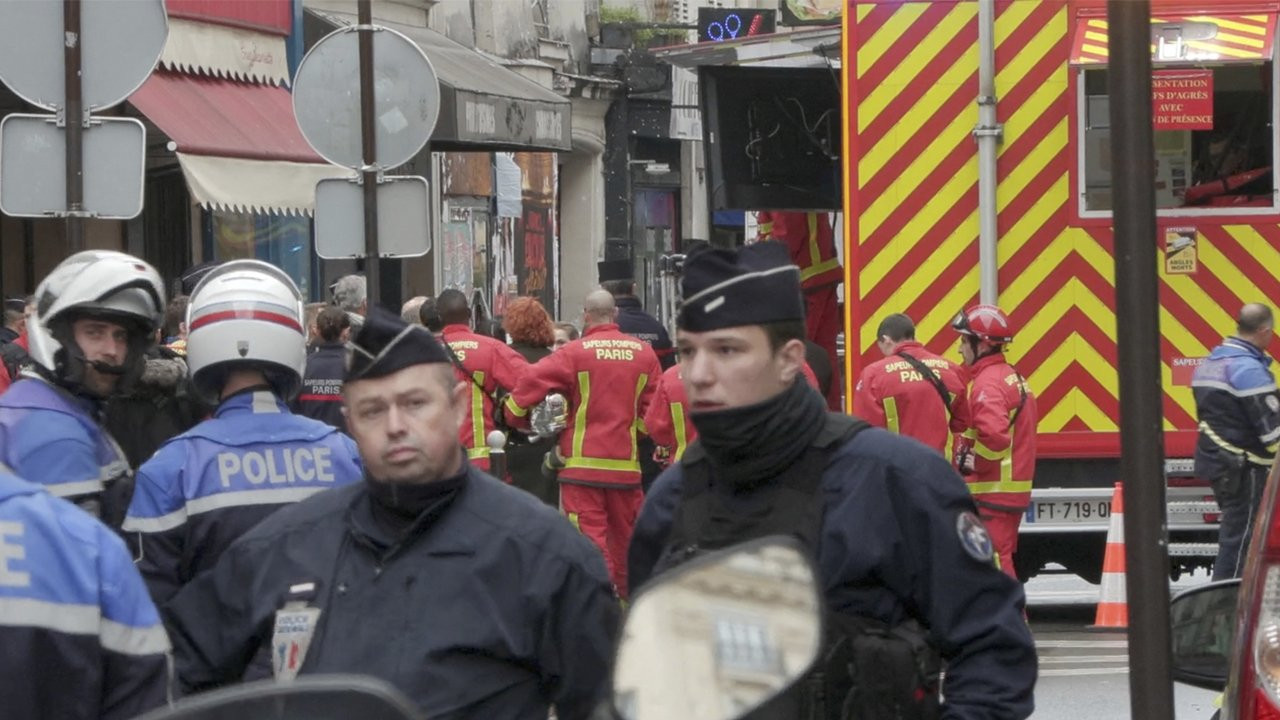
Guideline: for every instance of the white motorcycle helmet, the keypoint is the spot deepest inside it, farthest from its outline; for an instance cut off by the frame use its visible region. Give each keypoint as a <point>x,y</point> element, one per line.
<point>246,313</point>
<point>100,284</point>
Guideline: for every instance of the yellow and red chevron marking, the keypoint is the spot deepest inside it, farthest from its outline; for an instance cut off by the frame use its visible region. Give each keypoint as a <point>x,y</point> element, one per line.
<point>911,84</point>
<point>1238,37</point>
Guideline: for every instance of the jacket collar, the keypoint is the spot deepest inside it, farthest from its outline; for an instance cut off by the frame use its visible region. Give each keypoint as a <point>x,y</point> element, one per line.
<point>456,329</point>
<point>986,362</point>
<point>607,327</point>
<point>251,401</point>
<point>1246,346</point>
<point>627,301</point>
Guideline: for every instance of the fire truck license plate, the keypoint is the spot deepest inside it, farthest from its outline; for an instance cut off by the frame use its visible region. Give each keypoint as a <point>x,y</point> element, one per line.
<point>1068,512</point>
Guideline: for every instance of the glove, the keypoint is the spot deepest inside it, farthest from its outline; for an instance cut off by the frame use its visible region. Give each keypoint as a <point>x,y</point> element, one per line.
<point>963,458</point>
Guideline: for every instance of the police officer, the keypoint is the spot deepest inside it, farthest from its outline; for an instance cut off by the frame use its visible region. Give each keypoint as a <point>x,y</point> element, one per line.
<point>79,638</point>
<point>471,596</point>
<point>617,278</point>
<point>488,366</point>
<point>608,378</point>
<point>895,532</point>
<point>97,315</point>
<point>206,487</point>
<point>1239,411</point>
<point>997,454</point>
<point>912,391</point>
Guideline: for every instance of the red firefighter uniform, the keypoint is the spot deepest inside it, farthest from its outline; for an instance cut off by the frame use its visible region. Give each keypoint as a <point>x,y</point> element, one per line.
<point>608,379</point>
<point>667,419</point>
<point>892,394</point>
<point>811,244</point>
<point>1003,439</point>
<point>495,367</point>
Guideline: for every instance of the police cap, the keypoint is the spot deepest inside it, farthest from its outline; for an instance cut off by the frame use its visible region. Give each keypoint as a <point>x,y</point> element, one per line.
<point>387,344</point>
<point>753,285</point>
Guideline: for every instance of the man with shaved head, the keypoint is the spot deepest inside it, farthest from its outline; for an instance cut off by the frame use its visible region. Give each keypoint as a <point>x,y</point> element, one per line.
<point>607,377</point>
<point>1238,407</point>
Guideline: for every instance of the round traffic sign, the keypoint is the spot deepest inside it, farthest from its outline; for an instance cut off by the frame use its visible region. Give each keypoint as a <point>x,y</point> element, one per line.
<point>120,43</point>
<point>326,98</point>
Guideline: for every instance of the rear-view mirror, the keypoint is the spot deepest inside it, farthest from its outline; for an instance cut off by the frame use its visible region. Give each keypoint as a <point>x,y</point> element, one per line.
<point>311,697</point>
<point>1204,625</point>
<point>721,635</point>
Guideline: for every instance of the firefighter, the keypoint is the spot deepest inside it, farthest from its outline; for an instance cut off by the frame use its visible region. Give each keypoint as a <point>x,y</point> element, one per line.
<point>616,276</point>
<point>811,244</point>
<point>906,566</point>
<point>210,485</point>
<point>487,364</point>
<point>667,418</point>
<point>997,454</point>
<point>79,638</point>
<point>1238,407</point>
<point>608,378</point>
<point>97,315</point>
<point>470,596</point>
<point>912,391</point>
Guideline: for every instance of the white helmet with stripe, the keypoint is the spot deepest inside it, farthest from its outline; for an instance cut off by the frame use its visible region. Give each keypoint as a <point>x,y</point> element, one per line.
<point>246,314</point>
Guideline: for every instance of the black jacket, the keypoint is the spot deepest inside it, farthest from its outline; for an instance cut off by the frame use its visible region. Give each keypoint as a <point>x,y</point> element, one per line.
<point>496,609</point>
<point>161,406</point>
<point>634,321</point>
<point>321,395</point>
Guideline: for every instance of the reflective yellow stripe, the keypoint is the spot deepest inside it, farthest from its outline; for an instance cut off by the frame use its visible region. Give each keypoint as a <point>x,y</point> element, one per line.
<point>602,464</point>
<point>987,453</point>
<point>815,254</point>
<point>515,409</point>
<point>1217,440</point>
<point>818,269</point>
<point>478,438</point>
<point>970,434</point>
<point>639,423</point>
<point>891,415</point>
<point>1000,486</point>
<point>677,424</point>
<point>580,416</point>
<point>478,452</point>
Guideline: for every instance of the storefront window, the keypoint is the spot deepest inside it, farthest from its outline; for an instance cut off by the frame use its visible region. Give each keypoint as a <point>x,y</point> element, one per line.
<point>282,240</point>
<point>1214,140</point>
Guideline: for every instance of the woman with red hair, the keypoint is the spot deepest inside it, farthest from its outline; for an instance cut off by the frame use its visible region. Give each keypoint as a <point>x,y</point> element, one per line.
<point>532,334</point>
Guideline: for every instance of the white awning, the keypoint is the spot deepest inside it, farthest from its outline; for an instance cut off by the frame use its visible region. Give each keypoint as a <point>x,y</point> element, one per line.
<point>198,48</point>
<point>255,187</point>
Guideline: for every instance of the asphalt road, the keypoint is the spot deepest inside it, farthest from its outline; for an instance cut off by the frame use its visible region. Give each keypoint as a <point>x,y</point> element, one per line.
<point>1085,673</point>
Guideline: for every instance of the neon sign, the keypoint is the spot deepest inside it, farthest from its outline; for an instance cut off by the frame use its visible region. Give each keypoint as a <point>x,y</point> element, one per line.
<point>716,24</point>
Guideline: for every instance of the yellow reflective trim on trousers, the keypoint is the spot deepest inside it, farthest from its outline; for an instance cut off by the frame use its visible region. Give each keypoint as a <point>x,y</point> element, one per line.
<point>580,415</point>
<point>478,439</point>
<point>602,464</point>
<point>814,270</point>
<point>1216,439</point>
<point>891,422</point>
<point>681,433</point>
<point>515,409</point>
<point>1000,486</point>
<point>478,452</point>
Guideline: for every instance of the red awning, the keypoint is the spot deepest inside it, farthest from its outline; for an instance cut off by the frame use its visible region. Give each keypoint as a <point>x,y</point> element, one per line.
<point>209,116</point>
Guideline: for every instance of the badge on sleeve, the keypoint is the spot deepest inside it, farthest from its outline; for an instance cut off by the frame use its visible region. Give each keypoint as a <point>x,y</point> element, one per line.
<point>974,537</point>
<point>295,626</point>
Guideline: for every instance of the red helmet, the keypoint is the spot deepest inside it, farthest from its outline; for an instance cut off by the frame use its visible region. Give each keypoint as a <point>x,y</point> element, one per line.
<point>985,322</point>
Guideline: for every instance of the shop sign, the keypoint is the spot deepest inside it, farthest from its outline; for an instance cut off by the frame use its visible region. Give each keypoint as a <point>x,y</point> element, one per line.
<point>1182,99</point>
<point>1180,253</point>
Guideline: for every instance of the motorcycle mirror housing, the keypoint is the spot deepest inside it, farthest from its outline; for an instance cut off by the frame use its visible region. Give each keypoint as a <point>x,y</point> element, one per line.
<point>721,635</point>
<point>310,697</point>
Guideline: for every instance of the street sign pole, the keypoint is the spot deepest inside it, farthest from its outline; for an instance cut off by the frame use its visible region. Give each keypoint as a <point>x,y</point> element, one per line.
<point>1138,351</point>
<point>73,116</point>
<point>370,150</point>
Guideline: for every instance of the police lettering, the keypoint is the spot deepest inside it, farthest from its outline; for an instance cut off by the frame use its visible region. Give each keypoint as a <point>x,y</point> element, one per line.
<point>277,466</point>
<point>12,550</point>
<point>614,354</point>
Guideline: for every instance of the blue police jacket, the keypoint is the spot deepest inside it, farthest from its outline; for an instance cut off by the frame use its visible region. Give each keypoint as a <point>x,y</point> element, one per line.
<point>1238,407</point>
<point>52,436</point>
<point>79,638</point>
<point>496,607</point>
<point>210,485</point>
<point>634,321</point>
<point>900,539</point>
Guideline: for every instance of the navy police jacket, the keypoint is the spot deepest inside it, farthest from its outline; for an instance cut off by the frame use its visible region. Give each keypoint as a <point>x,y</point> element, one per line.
<point>210,485</point>
<point>79,638</point>
<point>634,321</point>
<point>495,608</point>
<point>321,396</point>
<point>900,538</point>
<point>53,437</point>
<point>1238,408</point>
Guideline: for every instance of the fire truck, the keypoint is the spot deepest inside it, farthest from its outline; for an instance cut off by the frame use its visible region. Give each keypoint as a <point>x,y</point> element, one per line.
<point>971,161</point>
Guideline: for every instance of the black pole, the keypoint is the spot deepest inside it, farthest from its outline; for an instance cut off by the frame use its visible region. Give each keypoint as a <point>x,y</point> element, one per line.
<point>1138,344</point>
<point>73,113</point>
<point>369,142</point>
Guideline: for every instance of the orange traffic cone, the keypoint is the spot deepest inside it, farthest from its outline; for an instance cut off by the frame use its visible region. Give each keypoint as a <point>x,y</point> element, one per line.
<point>1113,607</point>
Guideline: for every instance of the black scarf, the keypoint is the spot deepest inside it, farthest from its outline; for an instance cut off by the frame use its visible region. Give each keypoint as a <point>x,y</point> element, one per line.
<point>403,509</point>
<point>753,444</point>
